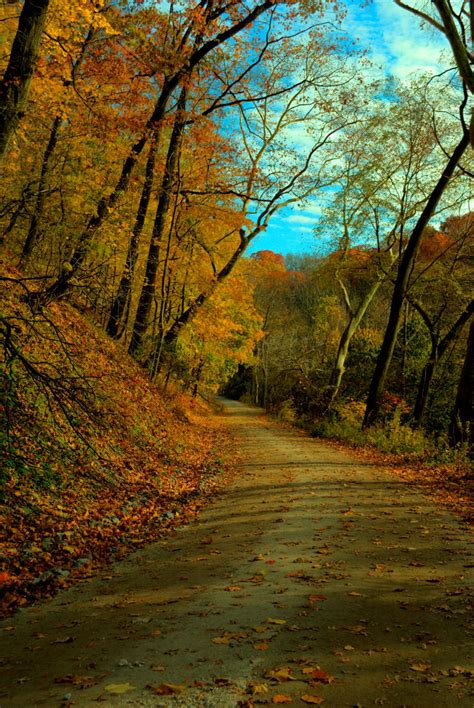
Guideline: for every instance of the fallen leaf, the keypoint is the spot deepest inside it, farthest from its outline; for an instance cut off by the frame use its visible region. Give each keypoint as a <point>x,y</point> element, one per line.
<point>65,640</point>
<point>155,633</point>
<point>258,689</point>
<point>118,688</point>
<point>281,698</point>
<point>76,680</point>
<point>321,676</point>
<point>307,698</point>
<point>166,689</point>
<point>260,629</point>
<point>357,629</point>
<point>225,639</point>
<point>420,666</point>
<point>354,594</point>
<point>263,646</point>
<point>233,588</point>
<point>257,579</point>
<point>228,636</point>
<point>281,674</point>
<point>275,621</point>
<point>316,598</point>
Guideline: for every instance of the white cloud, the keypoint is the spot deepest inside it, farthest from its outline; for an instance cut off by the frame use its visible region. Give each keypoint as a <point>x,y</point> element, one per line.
<point>394,38</point>
<point>299,219</point>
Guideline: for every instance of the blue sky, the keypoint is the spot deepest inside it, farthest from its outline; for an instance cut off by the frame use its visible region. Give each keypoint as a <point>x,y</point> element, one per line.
<point>397,46</point>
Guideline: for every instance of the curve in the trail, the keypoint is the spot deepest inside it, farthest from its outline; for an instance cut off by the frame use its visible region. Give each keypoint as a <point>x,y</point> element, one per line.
<point>312,577</point>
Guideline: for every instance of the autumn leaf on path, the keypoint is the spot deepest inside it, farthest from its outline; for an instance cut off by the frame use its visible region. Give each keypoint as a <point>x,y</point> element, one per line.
<point>256,579</point>
<point>323,551</point>
<point>281,674</point>
<point>300,574</point>
<point>420,666</point>
<point>233,588</point>
<point>258,689</point>
<point>119,688</point>
<point>379,569</point>
<point>281,698</point>
<point>315,700</point>
<point>225,639</point>
<point>79,681</point>
<point>317,675</point>
<point>263,646</point>
<point>228,636</point>
<point>275,621</point>
<point>166,689</point>
<point>316,598</point>
<point>357,629</point>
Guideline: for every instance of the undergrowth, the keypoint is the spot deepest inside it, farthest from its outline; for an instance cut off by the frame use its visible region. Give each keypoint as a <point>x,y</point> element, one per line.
<point>392,435</point>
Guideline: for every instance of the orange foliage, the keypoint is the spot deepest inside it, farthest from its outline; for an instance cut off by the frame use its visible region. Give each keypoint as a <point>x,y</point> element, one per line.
<point>434,245</point>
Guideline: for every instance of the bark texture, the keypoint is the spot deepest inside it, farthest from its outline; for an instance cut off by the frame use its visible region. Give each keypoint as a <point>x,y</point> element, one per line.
<point>20,69</point>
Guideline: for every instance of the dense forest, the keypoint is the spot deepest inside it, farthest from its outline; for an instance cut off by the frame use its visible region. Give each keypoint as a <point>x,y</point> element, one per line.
<point>145,147</point>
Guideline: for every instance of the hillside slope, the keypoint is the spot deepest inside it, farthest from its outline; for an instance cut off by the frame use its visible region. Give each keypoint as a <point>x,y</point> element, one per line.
<point>97,459</point>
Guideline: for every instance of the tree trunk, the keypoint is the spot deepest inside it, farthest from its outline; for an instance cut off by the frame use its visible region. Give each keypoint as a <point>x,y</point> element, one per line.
<point>148,289</point>
<point>16,81</point>
<point>438,348</point>
<point>462,421</point>
<point>121,302</point>
<point>70,268</point>
<point>384,359</point>
<point>165,289</point>
<point>33,229</point>
<point>424,386</point>
<point>343,350</point>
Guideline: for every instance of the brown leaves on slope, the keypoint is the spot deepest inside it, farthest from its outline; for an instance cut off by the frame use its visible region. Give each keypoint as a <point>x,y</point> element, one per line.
<point>74,497</point>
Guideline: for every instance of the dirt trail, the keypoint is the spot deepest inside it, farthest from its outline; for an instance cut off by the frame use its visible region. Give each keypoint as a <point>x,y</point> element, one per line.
<point>313,576</point>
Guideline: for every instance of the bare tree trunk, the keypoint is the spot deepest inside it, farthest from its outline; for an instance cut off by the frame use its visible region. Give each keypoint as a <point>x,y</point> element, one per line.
<point>16,81</point>
<point>355,318</point>
<point>462,421</point>
<point>121,301</point>
<point>33,229</point>
<point>148,289</point>
<point>384,359</point>
<point>438,348</point>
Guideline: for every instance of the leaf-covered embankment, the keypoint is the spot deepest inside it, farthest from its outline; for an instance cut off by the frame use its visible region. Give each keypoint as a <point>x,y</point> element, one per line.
<point>97,459</point>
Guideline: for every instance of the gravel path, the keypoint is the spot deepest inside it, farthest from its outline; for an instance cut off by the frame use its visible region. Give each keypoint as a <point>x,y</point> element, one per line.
<point>313,578</point>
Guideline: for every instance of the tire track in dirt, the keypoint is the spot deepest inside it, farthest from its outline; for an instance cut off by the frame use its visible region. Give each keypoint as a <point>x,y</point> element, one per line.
<point>312,576</point>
